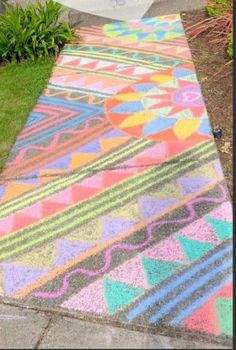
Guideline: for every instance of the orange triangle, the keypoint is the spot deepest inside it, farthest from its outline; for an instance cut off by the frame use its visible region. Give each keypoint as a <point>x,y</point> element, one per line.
<point>15,189</point>
<point>136,130</point>
<point>109,144</point>
<point>80,159</point>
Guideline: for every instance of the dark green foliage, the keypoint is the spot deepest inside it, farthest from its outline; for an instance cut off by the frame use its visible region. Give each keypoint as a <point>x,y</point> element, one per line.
<point>230,50</point>
<point>217,8</point>
<point>32,32</point>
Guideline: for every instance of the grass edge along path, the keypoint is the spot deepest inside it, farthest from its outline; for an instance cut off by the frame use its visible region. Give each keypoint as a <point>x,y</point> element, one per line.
<point>20,87</point>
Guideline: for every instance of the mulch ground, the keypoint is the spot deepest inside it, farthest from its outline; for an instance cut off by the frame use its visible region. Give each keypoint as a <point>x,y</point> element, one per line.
<point>216,82</point>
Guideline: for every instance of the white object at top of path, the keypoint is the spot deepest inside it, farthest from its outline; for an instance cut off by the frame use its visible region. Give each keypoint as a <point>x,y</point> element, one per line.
<point>116,9</point>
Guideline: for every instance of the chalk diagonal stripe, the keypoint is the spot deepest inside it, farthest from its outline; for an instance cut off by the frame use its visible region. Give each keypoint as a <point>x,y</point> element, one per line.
<point>190,289</point>
<point>161,293</point>
<point>108,161</point>
<point>199,302</point>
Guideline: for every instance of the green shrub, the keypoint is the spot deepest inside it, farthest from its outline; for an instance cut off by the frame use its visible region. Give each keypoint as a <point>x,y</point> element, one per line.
<point>230,50</point>
<point>32,32</point>
<point>217,8</point>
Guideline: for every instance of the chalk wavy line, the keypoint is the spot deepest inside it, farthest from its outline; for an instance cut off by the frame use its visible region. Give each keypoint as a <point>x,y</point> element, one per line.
<point>130,247</point>
<point>68,96</point>
<point>54,142</point>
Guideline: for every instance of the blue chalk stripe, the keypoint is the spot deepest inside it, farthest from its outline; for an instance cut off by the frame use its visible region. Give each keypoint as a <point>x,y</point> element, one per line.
<point>188,292</point>
<point>198,303</point>
<point>161,293</point>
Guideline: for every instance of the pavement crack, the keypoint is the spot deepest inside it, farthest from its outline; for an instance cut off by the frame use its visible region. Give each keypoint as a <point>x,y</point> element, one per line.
<point>44,332</point>
<point>90,171</point>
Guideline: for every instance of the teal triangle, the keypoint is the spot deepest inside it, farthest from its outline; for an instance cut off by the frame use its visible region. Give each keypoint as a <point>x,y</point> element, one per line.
<point>194,249</point>
<point>222,228</point>
<point>158,270</point>
<point>118,294</point>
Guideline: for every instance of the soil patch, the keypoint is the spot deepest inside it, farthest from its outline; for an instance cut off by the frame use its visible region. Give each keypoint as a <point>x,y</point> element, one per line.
<point>216,82</point>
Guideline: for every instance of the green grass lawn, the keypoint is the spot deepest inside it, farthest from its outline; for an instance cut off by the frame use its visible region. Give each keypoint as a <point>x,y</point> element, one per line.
<point>20,87</point>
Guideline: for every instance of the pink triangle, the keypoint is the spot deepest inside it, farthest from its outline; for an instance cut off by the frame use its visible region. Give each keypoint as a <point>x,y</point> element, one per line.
<point>131,272</point>
<point>90,300</point>
<point>157,151</point>
<point>67,59</point>
<point>58,80</point>
<point>94,182</point>
<point>203,319</point>
<point>63,197</point>
<point>223,212</point>
<point>76,82</point>
<point>96,85</point>
<point>168,249</point>
<point>74,62</point>
<point>199,230</point>
<point>129,71</point>
<point>33,211</point>
<point>6,224</point>
<point>117,88</point>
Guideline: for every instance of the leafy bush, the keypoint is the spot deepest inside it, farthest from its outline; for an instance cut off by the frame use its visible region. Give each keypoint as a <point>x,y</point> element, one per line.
<point>230,50</point>
<point>218,26</point>
<point>32,32</point>
<point>217,8</point>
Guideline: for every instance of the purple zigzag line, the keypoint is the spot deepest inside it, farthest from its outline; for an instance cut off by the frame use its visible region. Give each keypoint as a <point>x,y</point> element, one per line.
<point>108,253</point>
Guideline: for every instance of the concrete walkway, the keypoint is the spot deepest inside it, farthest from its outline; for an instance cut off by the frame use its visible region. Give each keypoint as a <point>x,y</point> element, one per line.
<point>158,8</point>
<point>21,328</point>
<point>73,149</point>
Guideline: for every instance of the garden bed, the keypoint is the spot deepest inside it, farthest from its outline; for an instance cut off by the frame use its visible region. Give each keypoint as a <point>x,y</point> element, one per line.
<point>216,82</point>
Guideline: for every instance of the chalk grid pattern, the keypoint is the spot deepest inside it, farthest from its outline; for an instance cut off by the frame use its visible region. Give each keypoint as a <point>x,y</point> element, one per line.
<point>119,209</point>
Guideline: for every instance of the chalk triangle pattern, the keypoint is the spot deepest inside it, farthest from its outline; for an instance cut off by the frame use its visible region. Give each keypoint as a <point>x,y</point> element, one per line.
<point>118,294</point>
<point>158,270</point>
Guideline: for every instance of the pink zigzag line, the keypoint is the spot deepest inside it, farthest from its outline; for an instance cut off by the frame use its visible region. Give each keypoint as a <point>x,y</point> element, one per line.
<point>54,142</point>
<point>108,253</point>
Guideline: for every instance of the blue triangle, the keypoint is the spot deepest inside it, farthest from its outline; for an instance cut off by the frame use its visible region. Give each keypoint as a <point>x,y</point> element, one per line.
<point>113,133</point>
<point>153,206</point>
<point>191,184</point>
<point>128,107</point>
<point>115,226</point>
<point>142,35</point>
<point>32,178</point>
<point>34,118</point>
<point>119,294</point>
<point>143,87</point>
<point>205,128</point>
<point>67,250</point>
<point>181,72</point>
<point>17,277</point>
<point>194,249</point>
<point>223,229</point>
<point>2,190</point>
<point>60,163</point>
<point>158,270</point>
<point>91,147</point>
<point>160,35</point>
<point>157,125</point>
